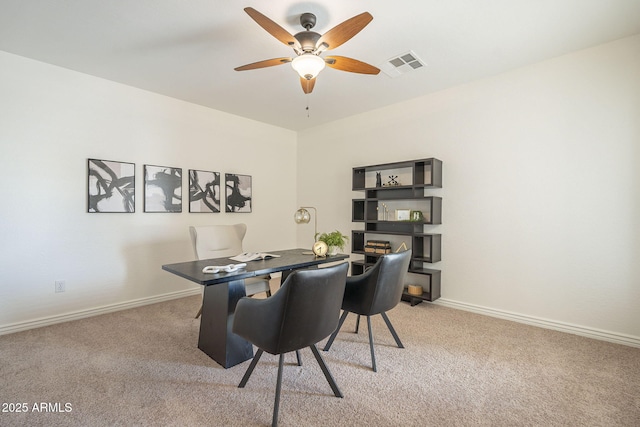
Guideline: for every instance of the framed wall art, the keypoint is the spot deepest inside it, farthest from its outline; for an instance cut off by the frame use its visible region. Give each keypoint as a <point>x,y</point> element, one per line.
<point>204,191</point>
<point>162,189</point>
<point>238,192</point>
<point>111,186</point>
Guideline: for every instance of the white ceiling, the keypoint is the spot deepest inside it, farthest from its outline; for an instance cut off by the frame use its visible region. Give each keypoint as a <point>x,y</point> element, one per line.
<point>188,49</point>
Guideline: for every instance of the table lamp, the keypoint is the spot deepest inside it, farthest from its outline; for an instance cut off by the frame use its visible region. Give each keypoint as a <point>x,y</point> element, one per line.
<point>303,216</point>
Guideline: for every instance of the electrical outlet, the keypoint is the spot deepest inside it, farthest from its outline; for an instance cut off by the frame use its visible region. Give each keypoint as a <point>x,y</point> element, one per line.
<point>60,285</point>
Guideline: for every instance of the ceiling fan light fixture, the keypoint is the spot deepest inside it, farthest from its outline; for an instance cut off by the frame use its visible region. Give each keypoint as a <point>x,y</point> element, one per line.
<point>309,45</point>
<point>308,65</point>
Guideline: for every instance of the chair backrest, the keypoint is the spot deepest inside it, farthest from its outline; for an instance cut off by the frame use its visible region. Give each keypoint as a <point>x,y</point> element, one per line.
<point>217,241</point>
<point>306,308</point>
<point>386,282</point>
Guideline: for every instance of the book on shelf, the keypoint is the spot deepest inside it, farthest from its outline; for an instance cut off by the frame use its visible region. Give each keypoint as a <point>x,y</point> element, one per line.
<point>253,256</point>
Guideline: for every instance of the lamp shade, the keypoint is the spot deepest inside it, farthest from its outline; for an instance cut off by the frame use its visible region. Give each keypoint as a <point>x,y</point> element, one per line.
<point>302,216</point>
<point>308,65</point>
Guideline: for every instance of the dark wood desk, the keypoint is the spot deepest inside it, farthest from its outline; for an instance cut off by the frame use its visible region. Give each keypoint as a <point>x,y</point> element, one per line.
<point>222,292</point>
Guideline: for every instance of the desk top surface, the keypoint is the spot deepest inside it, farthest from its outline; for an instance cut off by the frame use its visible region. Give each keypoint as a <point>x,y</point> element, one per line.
<point>290,259</point>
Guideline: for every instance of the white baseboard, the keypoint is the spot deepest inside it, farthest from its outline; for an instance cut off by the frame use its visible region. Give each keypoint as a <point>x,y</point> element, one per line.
<point>529,320</point>
<point>544,323</point>
<point>81,314</point>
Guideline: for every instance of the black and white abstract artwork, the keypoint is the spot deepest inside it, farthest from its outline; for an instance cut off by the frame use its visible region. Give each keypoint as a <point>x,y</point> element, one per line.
<point>238,192</point>
<point>162,189</point>
<point>204,191</point>
<point>111,186</point>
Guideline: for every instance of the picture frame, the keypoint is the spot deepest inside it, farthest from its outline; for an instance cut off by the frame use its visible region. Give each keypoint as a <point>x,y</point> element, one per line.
<point>111,186</point>
<point>238,193</point>
<point>162,189</point>
<point>204,191</point>
<point>403,214</point>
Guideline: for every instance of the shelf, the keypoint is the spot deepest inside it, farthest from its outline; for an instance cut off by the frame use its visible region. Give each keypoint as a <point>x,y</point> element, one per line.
<point>396,193</point>
<point>357,210</point>
<point>392,227</point>
<point>432,287</point>
<point>390,233</point>
<point>393,194</point>
<point>425,172</point>
<point>426,247</point>
<point>415,300</point>
<point>383,211</point>
<point>430,293</point>
<point>357,268</point>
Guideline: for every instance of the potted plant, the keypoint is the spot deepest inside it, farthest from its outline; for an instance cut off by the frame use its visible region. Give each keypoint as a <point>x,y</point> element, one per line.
<point>335,240</point>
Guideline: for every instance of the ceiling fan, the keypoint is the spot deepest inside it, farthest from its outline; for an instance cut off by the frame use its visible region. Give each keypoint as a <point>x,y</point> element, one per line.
<point>308,45</point>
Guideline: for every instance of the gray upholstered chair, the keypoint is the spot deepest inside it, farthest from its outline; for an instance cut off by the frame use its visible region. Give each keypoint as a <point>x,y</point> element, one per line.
<point>304,311</point>
<point>376,291</point>
<point>219,241</point>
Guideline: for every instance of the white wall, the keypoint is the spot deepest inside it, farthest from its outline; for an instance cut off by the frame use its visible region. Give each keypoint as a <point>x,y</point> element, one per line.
<point>51,121</point>
<point>541,187</point>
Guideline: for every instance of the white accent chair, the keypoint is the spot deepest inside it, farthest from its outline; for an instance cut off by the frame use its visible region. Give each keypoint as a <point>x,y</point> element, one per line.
<point>219,241</point>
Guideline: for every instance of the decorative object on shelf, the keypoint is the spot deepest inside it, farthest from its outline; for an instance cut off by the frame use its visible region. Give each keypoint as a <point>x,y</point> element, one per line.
<point>415,290</point>
<point>378,179</point>
<point>403,214</point>
<point>378,247</point>
<point>393,180</point>
<point>204,191</point>
<point>320,248</point>
<point>334,240</point>
<point>238,192</point>
<point>402,247</point>
<point>385,213</point>
<point>111,186</point>
<point>416,216</point>
<point>303,216</point>
<point>162,189</point>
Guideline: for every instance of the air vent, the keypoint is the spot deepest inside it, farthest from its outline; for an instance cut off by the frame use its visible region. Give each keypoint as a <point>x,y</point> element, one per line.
<point>402,64</point>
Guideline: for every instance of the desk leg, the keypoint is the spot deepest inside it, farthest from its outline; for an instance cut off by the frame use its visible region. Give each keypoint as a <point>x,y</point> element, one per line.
<point>216,338</point>
<point>284,276</point>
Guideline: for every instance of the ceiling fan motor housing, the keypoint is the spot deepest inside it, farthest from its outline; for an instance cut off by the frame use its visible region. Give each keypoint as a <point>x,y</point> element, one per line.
<point>307,40</point>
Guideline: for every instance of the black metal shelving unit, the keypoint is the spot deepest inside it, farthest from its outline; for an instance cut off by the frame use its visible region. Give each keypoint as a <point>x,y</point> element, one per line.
<point>409,184</point>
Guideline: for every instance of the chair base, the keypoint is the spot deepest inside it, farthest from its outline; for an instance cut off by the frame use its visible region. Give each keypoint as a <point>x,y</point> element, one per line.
<point>373,355</point>
<point>276,405</point>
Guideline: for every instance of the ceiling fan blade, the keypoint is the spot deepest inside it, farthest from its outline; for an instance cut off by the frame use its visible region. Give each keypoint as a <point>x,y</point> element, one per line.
<point>263,64</point>
<point>272,28</point>
<point>351,65</point>
<point>345,31</point>
<point>307,85</point>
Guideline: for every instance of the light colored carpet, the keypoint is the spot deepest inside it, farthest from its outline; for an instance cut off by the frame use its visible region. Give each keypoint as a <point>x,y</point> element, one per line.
<point>142,367</point>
